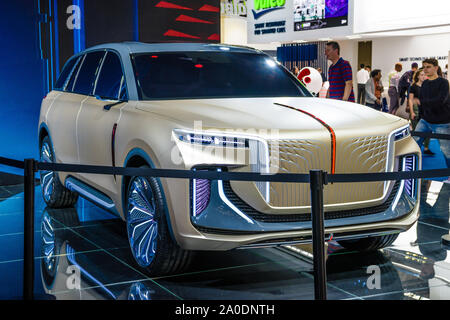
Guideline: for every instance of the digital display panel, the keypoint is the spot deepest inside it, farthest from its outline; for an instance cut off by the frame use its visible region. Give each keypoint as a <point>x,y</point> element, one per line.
<point>319,14</point>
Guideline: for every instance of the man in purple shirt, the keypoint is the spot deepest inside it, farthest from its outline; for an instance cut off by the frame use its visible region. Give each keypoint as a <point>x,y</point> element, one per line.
<point>340,74</point>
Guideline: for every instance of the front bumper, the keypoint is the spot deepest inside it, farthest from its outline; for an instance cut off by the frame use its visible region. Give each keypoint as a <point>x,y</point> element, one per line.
<point>227,222</point>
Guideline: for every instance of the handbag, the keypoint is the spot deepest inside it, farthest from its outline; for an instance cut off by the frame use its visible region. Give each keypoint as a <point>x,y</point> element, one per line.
<point>403,110</point>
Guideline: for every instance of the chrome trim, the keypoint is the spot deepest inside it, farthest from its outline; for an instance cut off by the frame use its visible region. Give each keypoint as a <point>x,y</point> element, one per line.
<point>229,203</point>
<point>88,195</point>
<point>366,235</point>
<point>308,240</point>
<point>273,244</point>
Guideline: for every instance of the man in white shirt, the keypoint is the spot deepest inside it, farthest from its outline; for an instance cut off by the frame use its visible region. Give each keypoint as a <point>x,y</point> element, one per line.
<point>362,77</point>
<point>394,97</point>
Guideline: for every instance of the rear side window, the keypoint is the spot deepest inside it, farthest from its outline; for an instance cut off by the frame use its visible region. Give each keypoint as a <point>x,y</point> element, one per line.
<point>84,83</point>
<point>65,74</point>
<point>73,75</point>
<point>111,81</point>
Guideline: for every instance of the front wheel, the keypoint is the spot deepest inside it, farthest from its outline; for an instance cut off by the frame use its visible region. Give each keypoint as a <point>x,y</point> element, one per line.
<point>152,247</point>
<point>369,244</point>
<point>54,193</point>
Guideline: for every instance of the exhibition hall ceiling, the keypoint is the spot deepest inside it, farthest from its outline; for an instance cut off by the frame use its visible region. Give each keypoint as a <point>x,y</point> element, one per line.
<point>284,21</point>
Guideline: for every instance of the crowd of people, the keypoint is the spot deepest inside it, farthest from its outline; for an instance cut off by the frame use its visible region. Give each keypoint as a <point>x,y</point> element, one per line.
<point>424,92</point>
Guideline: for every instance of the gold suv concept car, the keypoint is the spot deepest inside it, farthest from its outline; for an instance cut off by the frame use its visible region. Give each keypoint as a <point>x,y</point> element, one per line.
<point>221,108</point>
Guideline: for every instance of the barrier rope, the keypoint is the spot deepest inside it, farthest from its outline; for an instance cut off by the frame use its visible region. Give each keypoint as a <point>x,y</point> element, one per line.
<point>238,176</point>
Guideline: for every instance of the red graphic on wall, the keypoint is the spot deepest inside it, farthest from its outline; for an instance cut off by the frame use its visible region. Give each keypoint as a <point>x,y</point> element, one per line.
<point>214,36</point>
<point>192,19</point>
<point>209,8</point>
<point>179,21</point>
<point>178,34</point>
<point>168,5</point>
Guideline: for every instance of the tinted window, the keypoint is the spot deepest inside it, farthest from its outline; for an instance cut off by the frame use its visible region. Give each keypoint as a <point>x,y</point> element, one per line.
<point>73,74</point>
<point>65,74</point>
<point>212,74</point>
<point>110,80</point>
<point>84,83</point>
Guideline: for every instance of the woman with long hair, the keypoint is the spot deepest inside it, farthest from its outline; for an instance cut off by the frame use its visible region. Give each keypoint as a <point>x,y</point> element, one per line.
<point>414,104</point>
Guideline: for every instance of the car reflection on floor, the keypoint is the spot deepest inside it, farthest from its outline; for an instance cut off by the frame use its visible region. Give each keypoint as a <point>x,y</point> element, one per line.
<point>97,251</point>
<point>83,253</point>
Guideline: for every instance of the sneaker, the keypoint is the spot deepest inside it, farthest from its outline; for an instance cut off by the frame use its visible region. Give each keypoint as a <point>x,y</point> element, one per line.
<point>429,152</point>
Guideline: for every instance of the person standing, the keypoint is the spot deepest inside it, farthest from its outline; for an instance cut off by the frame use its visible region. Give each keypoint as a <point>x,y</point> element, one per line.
<point>324,79</point>
<point>434,103</point>
<point>405,82</point>
<point>394,97</point>
<point>362,77</point>
<point>340,74</point>
<point>374,90</point>
<point>413,103</point>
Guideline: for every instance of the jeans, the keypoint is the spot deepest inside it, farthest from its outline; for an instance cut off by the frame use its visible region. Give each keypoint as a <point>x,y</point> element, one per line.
<point>424,126</point>
<point>393,100</point>
<point>361,93</point>
<point>375,106</point>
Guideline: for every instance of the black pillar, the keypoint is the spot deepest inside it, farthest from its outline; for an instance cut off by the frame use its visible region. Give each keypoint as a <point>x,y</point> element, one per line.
<point>318,236</point>
<point>28,253</point>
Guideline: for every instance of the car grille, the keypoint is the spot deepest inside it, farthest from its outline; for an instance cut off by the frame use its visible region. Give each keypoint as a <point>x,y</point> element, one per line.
<point>356,155</point>
<point>274,218</point>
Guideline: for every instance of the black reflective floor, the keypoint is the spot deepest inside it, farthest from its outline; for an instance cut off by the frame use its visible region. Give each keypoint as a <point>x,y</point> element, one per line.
<point>92,242</point>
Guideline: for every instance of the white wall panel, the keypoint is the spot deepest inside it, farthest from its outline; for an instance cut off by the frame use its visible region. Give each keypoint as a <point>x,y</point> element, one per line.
<point>384,15</point>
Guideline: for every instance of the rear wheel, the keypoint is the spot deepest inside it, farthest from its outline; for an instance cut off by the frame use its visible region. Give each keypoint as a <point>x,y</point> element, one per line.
<point>152,247</point>
<point>54,193</point>
<point>369,244</point>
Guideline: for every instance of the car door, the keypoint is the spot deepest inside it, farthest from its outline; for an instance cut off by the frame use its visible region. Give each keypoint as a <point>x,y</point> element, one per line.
<point>62,114</point>
<point>96,124</point>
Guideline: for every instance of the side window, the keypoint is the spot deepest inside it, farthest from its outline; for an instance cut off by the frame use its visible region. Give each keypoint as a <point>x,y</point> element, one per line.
<point>111,81</point>
<point>73,75</point>
<point>65,74</point>
<point>84,83</point>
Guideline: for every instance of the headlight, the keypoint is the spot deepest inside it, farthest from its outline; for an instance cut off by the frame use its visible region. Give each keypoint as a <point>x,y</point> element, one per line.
<point>206,139</point>
<point>258,150</point>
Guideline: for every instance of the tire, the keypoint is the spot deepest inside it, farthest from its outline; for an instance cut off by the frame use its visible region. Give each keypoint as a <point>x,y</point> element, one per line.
<point>151,244</point>
<point>54,193</point>
<point>49,251</point>
<point>369,244</point>
<point>52,239</point>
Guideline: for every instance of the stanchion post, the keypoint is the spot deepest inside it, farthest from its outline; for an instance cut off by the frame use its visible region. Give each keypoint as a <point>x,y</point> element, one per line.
<point>318,235</point>
<point>28,252</point>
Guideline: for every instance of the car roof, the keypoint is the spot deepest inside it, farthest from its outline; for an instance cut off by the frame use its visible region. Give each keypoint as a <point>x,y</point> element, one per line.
<point>140,47</point>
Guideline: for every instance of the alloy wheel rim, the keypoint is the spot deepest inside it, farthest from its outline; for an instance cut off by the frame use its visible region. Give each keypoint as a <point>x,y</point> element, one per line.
<point>139,291</point>
<point>141,224</point>
<point>48,244</point>
<point>45,175</point>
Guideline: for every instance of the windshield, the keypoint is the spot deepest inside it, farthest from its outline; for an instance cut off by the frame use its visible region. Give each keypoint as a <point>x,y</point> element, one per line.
<point>178,75</point>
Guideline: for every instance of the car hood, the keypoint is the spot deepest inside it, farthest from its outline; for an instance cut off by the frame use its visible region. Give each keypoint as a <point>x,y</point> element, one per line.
<point>268,113</point>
